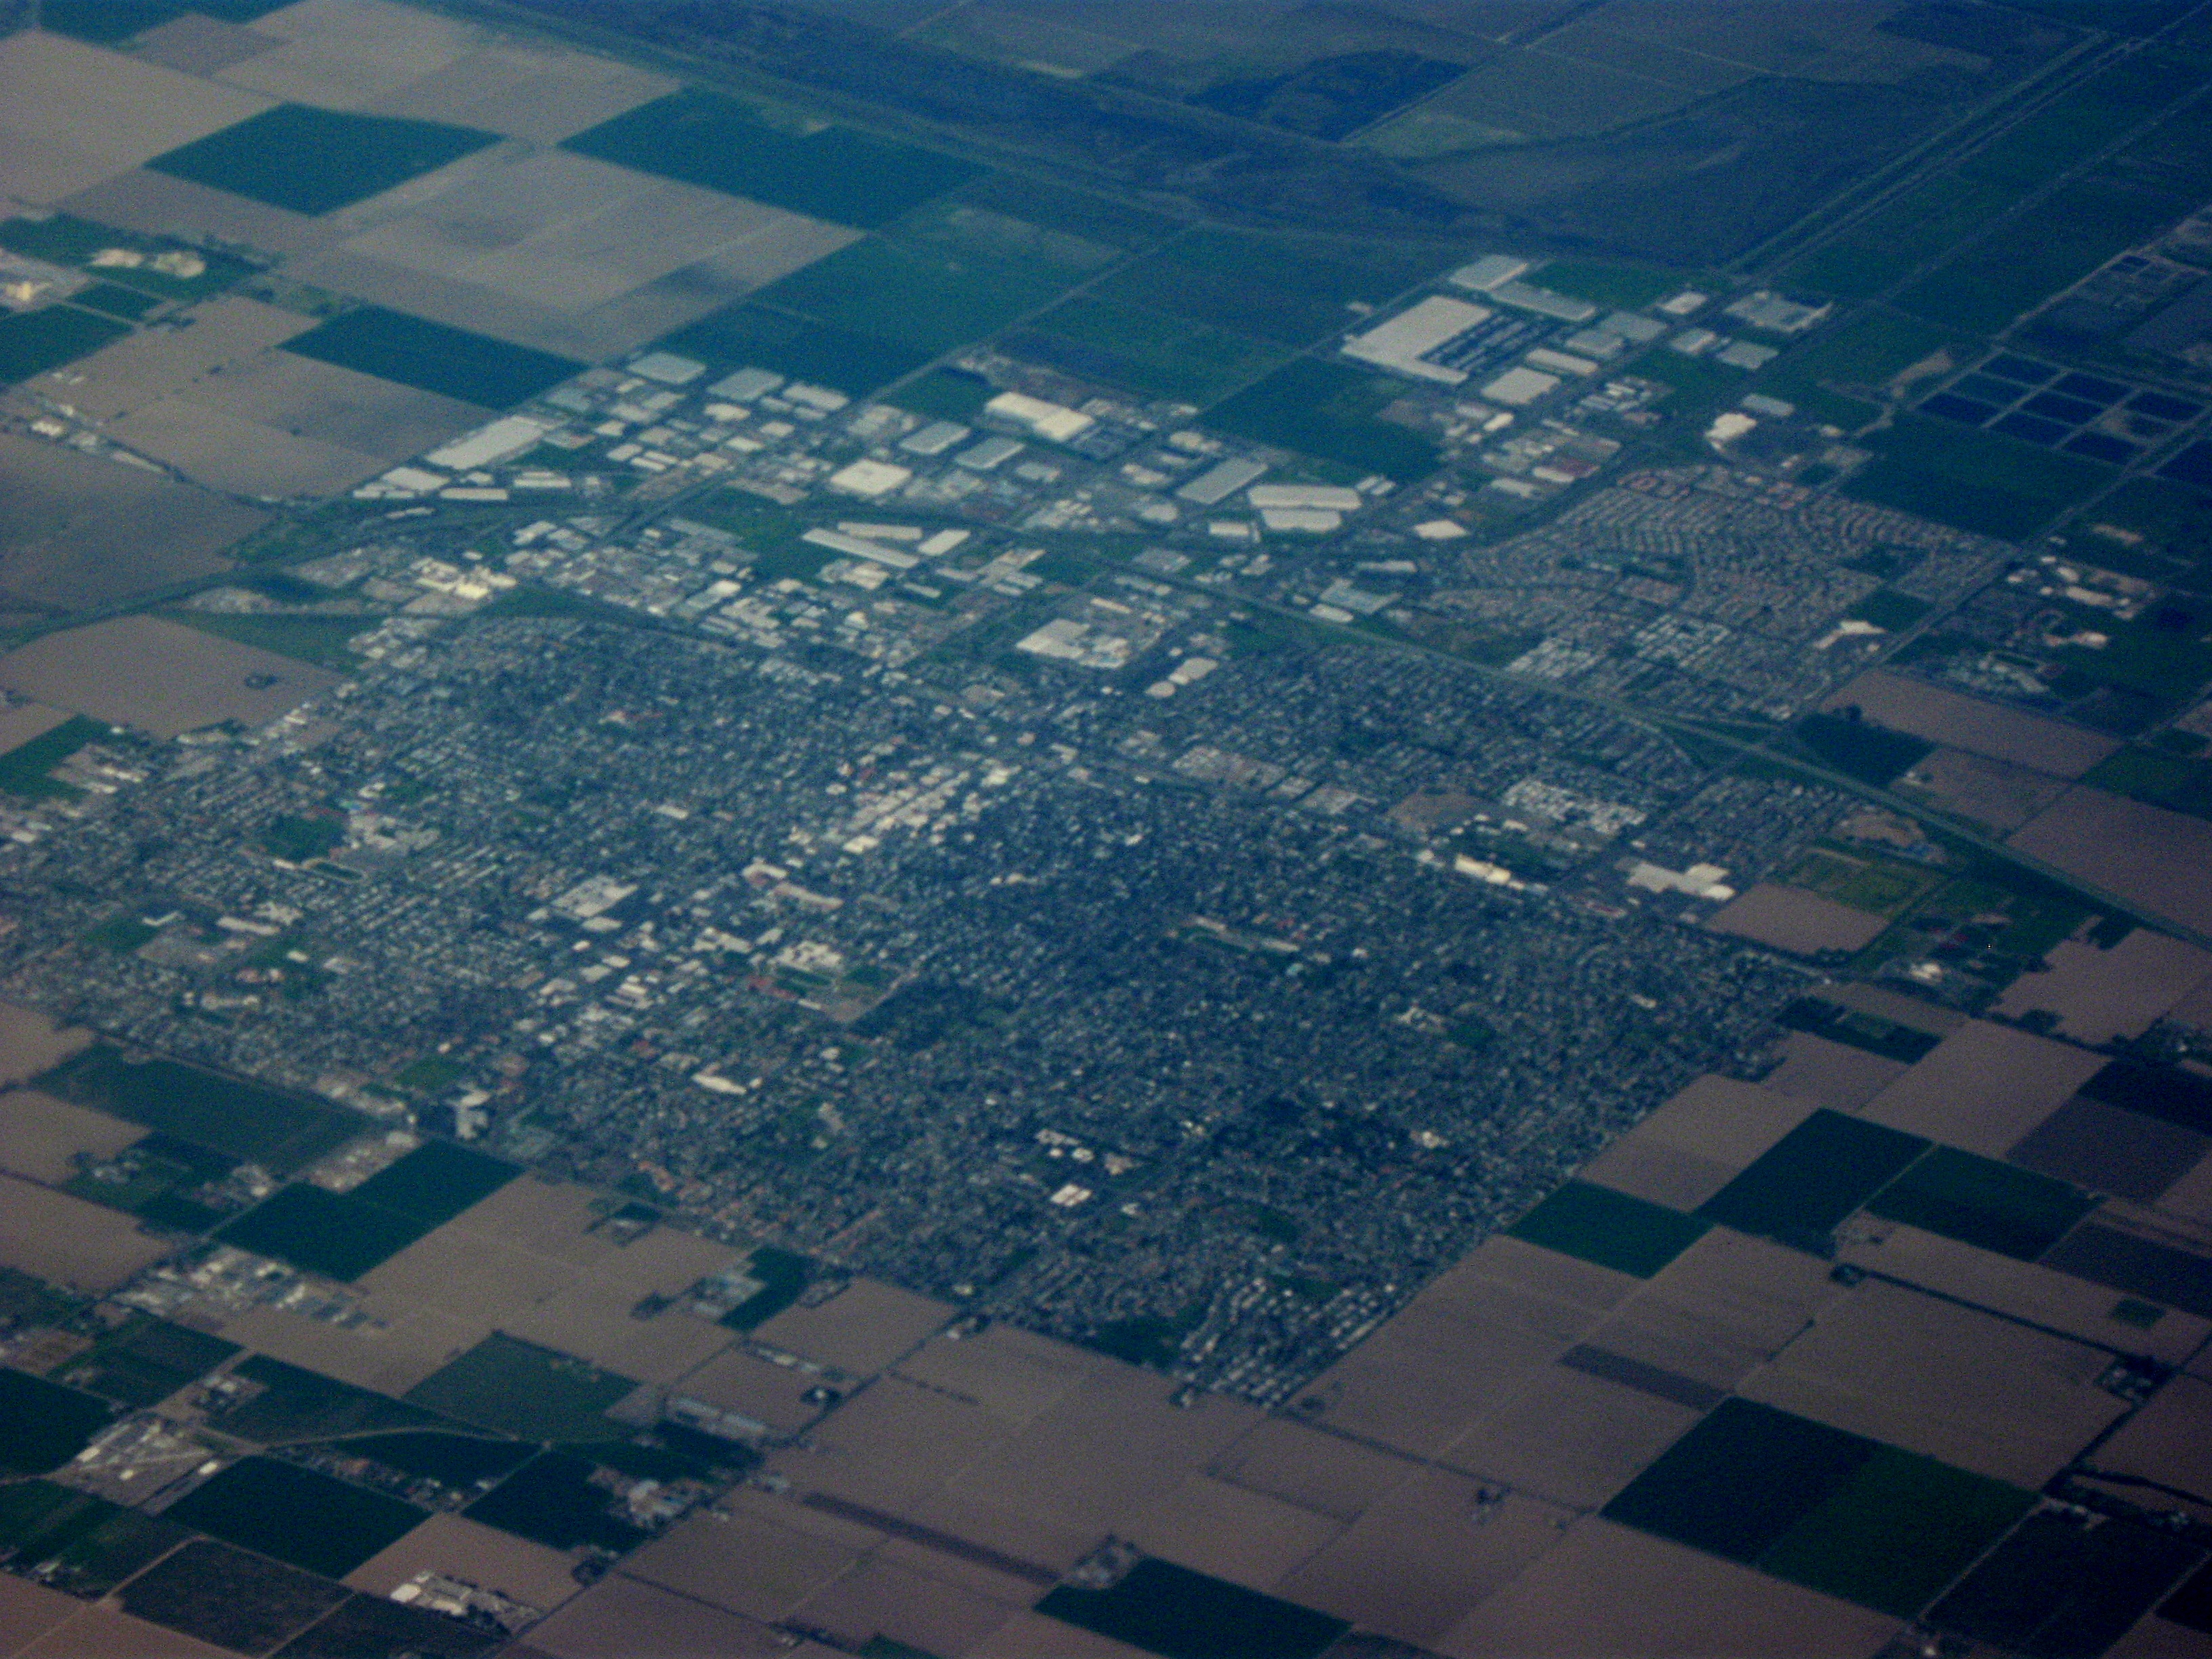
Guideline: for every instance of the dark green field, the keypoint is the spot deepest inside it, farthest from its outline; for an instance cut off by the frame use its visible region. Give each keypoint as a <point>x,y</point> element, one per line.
<point>296,1514</point>
<point>2054,244</point>
<point>782,1276</point>
<point>1740,1480</point>
<point>298,1404</point>
<point>1806,1183</point>
<point>1079,213</point>
<point>104,22</point>
<point>279,1131</point>
<point>1890,243</point>
<point>94,1545</point>
<point>917,294</point>
<point>23,769</point>
<point>317,160</point>
<point>1977,1201</point>
<point>375,1627</point>
<point>1872,754</point>
<point>435,1182</point>
<point>851,361</point>
<point>1327,411</point>
<point>2065,1584</point>
<point>1153,352</point>
<point>452,363</point>
<point>551,1501</point>
<point>323,1232</point>
<point>43,1425</point>
<point>64,240</point>
<point>226,1597</point>
<point>157,1175</point>
<point>519,1388</point>
<point>836,174</point>
<point>455,1459</point>
<point>1181,1614</point>
<point>113,300</point>
<point>1290,291</point>
<point>946,394</point>
<point>1899,1529</point>
<point>1605,285</point>
<point>1612,1229</point>
<point>33,342</point>
<point>147,1360</point>
<point>1973,480</point>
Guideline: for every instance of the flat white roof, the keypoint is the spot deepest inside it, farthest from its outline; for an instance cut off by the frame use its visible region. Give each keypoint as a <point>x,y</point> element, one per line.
<point>1399,343</point>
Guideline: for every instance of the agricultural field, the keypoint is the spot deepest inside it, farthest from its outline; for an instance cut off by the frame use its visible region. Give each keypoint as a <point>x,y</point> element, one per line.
<point>145,1361</point>
<point>280,1131</point>
<point>1150,352</point>
<point>344,1235</point>
<point>62,239</point>
<point>852,361</point>
<point>717,142</point>
<point>1882,887</point>
<point>1802,1187</point>
<point>297,1404</point>
<point>313,161</point>
<point>1292,291</point>
<point>1329,412</point>
<point>1972,481</point>
<point>296,1514</point>
<point>1610,1229</point>
<point>33,342</point>
<point>216,1593</point>
<point>42,1425</point>
<point>551,1501</point>
<point>76,531</point>
<point>520,1388</point>
<point>449,362</point>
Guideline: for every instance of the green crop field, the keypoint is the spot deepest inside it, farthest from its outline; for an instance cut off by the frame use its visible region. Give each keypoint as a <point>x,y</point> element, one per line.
<point>325,1232</point>
<point>1328,410</point>
<point>297,1404</point>
<point>1974,481</point>
<point>2053,244</point>
<point>1290,291</point>
<point>33,342</point>
<point>317,160</point>
<point>64,240</point>
<point>24,769</point>
<point>1598,1225</point>
<point>296,1514</point>
<point>1995,1206</point>
<point>43,1425</point>
<point>106,22</point>
<point>1806,1183</point>
<point>519,1388</point>
<point>280,1131</point>
<point>831,173</point>
<point>1605,284</point>
<point>474,368</point>
<point>851,360</point>
<point>946,394</point>
<point>318,639</point>
<point>917,293</point>
<point>1153,352</point>
<point>1890,243</point>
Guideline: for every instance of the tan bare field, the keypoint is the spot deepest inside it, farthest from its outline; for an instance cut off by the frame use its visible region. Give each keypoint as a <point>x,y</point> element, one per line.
<point>1724,1303</point>
<point>1993,793</point>
<point>1570,1438</point>
<point>879,1598</point>
<point>28,1610</point>
<point>160,677</point>
<point>335,406</point>
<point>2098,995</point>
<point>1911,1012</point>
<point>160,205</point>
<point>591,1319</point>
<point>343,54</point>
<point>99,1632</point>
<point>31,1043</point>
<point>1987,728</point>
<point>861,1329</point>
<point>1429,1373</point>
<point>2190,1197</point>
<point>72,115</point>
<point>498,1561</point>
<point>1608,1590</point>
<point>1834,1074</point>
<point>1791,919</point>
<point>619,1617</point>
<point>419,1342</point>
<point>1012,1374</point>
<point>1698,1141</point>
<point>734,1381</point>
<point>527,89</point>
<point>1418,1562</point>
<point>744,1563</point>
<point>1032,1635</point>
<point>245,458</point>
<point>1519,1266</point>
<point>560,252</point>
<point>76,531</point>
<point>2056,1300</point>
<point>1231,1532</point>
<point>1104,1455</point>
<point>52,1236</point>
<point>2109,1149</point>
<point>1324,1473</point>
<point>546,1218</point>
<point>2169,1440</point>
<point>19,724</point>
<point>2161,1638</point>
<point>2146,855</point>
<point>41,1137</point>
<point>194,44</point>
<point>1984,1087</point>
<point>894,1442</point>
<point>1953,1383</point>
<point>142,367</point>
